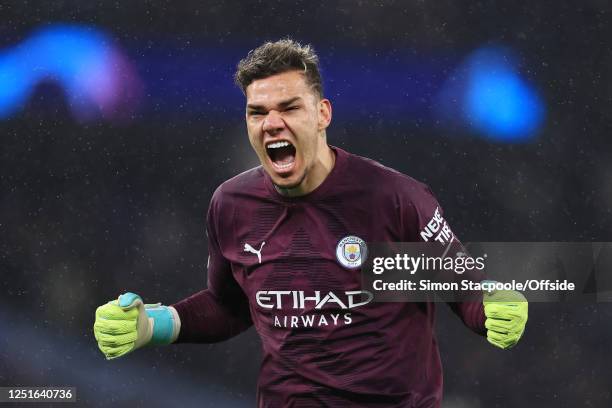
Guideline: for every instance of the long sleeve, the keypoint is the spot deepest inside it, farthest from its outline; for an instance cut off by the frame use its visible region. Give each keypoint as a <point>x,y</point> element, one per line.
<point>222,310</point>
<point>206,319</point>
<point>424,215</point>
<point>472,315</point>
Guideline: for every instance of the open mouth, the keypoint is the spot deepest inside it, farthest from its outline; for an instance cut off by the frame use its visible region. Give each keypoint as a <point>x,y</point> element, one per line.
<point>281,154</point>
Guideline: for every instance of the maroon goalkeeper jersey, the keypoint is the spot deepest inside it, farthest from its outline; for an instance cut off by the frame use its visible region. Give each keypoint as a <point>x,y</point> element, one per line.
<point>289,266</point>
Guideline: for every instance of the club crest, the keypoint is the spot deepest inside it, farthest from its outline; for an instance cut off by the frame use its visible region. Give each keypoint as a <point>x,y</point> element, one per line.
<point>351,252</point>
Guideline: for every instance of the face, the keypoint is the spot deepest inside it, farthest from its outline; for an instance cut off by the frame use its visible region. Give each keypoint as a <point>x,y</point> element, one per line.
<point>286,122</point>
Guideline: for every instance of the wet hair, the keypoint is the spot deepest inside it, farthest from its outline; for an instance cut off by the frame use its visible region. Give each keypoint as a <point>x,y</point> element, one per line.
<point>277,57</point>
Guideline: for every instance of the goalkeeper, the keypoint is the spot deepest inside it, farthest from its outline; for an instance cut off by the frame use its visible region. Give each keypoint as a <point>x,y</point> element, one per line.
<point>286,241</point>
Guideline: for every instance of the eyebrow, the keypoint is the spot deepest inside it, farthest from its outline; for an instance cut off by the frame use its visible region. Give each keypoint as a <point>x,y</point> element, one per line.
<point>282,104</point>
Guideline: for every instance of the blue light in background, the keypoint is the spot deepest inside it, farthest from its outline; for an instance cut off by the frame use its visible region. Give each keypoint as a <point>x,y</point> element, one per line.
<point>498,102</point>
<point>15,84</point>
<point>97,78</point>
<point>486,95</point>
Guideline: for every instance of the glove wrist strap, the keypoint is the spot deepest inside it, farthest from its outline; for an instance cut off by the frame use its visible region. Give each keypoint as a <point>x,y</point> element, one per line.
<point>166,324</point>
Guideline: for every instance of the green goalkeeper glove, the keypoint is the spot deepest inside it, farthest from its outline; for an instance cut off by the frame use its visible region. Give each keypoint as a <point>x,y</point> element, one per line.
<point>506,312</point>
<point>125,324</point>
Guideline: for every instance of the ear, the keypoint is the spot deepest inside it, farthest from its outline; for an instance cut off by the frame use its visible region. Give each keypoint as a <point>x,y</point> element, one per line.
<point>325,113</point>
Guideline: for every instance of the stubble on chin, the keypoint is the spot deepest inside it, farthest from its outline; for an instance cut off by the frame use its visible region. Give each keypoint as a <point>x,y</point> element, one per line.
<point>289,190</point>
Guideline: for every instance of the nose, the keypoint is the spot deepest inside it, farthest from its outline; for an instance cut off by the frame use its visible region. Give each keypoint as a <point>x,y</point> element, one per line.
<point>273,122</point>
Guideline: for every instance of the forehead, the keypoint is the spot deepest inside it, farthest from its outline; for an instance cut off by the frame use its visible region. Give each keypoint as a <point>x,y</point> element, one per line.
<point>277,87</point>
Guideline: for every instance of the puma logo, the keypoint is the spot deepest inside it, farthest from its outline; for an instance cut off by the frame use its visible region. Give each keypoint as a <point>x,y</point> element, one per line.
<point>249,248</point>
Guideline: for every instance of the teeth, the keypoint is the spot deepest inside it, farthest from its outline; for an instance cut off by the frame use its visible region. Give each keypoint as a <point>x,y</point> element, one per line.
<point>283,166</point>
<point>277,144</point>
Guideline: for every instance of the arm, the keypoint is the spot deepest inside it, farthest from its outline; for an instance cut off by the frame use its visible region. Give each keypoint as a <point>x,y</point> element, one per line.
<point>423,220</point>
<point>472,314</point>
<point>500,315</point>
<point>206,319</point>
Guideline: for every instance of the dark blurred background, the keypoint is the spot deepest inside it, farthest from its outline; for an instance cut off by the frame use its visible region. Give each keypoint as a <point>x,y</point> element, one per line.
<point>118,121</point>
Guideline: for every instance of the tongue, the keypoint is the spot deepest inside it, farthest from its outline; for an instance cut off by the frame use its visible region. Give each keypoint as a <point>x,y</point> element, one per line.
<point>284,155</point>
